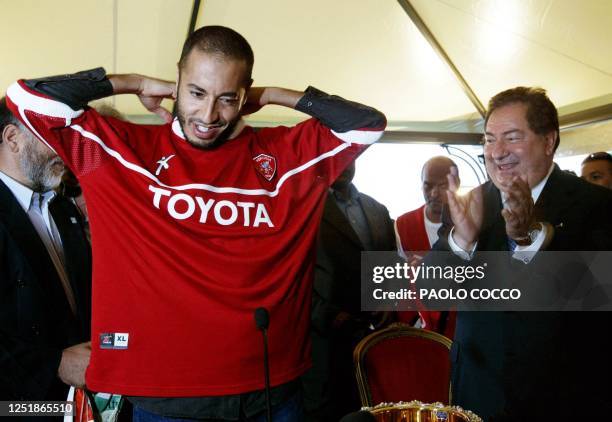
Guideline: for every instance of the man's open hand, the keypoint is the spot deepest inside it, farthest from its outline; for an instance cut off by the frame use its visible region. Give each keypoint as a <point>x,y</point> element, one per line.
<point>152,92</point>
<point>466,211</point>
<point>518,211</point>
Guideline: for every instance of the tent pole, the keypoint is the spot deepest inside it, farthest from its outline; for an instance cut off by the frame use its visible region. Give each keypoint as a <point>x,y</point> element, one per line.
<point>194,16</point>
<point>431,39</point>
<point>195,10</point>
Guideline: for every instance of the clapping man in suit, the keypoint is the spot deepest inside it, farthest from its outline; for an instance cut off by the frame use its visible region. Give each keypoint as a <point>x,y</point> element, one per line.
<point>517,366</point>
<point>45,272</point>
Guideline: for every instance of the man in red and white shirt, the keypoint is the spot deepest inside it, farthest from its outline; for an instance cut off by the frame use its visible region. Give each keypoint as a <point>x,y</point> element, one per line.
<point>416,232</point>
<point>198,222</point>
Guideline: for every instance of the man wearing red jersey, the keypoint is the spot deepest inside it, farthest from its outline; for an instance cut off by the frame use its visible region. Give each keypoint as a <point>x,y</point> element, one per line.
<point>197,223</point>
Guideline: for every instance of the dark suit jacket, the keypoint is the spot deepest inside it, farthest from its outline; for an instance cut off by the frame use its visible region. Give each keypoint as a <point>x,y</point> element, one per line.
<point>329,386</point>
<point>515,366</point>
<point>36,322</point>
<point>338,269</point>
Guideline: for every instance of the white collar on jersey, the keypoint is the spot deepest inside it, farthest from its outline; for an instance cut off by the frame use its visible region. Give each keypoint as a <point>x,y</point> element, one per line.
<point>176,128</point>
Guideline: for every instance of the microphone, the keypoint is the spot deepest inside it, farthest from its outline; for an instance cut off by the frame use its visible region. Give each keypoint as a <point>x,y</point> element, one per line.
<point>262,318</point>
<point>361,416</point>
<point>262,321</point>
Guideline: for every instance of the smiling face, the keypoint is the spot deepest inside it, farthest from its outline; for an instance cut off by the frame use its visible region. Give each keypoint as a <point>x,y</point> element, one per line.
<point>211,92</point>
<point>512,148</point>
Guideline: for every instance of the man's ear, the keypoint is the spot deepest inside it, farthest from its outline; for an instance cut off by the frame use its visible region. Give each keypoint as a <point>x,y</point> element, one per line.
<point>551,140</point>
<point>10,135</point>
<point>247,87</point>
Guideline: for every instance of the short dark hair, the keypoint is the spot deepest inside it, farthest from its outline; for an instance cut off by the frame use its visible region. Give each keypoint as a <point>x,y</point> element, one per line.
<point>542,114</point>
<point>222,41</point>
<point>6,116</point>
<point>598,156</point>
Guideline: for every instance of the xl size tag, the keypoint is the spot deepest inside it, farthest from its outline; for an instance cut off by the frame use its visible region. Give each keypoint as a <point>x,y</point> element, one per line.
<point>114,341</point>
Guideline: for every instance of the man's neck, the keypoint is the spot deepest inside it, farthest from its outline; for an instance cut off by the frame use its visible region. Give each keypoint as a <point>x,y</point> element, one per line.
<point>237,129</point>
<point>344,192</point>
<point>16,175</point>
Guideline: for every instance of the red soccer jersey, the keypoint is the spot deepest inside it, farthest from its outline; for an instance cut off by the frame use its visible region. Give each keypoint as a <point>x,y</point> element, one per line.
<point>187,243</point>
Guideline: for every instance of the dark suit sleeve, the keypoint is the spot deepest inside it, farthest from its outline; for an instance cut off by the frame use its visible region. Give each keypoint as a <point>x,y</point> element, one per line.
<point>380,222</point>
<point>27,370</point>
<point>323,309</point>
<point>390,242</point>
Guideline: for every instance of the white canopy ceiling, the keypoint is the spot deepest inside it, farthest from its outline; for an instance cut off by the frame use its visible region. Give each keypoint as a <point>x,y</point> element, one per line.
<point>366,50</point>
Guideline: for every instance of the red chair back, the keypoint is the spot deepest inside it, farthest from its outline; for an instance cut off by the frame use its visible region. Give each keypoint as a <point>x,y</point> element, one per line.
<point>402,363</point>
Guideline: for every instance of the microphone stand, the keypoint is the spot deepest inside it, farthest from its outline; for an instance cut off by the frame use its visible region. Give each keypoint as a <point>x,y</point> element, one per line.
<point>262,320</point>
<point>267,376</point>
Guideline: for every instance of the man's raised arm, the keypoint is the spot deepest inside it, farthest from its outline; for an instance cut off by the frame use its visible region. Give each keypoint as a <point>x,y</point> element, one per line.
<point>78,89</point>
<point>340,115</point>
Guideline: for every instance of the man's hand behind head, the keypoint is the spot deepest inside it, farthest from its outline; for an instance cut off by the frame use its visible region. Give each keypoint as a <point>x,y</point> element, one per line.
<point>153,92</point>
<point>150,91</point>
<point>256,99</point>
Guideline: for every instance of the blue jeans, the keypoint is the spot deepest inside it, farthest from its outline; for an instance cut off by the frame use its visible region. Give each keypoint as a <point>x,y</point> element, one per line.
<point>288,411</point>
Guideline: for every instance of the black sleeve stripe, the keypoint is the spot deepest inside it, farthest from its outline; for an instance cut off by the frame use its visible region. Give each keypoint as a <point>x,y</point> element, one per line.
<point>338,114</point>
<point>75,90</point>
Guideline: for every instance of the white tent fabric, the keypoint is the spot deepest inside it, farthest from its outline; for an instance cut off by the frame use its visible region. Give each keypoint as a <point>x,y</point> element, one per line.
<point>367,50</point>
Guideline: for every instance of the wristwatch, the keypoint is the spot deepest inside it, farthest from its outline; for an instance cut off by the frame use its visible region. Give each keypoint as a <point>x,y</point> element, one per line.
<point>532,234</point>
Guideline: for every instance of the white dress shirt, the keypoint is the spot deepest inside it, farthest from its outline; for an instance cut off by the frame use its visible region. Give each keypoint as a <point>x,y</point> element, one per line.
<point>431,228</point>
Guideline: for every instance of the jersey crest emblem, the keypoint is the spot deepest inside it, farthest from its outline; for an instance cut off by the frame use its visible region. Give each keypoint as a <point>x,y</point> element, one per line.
<point>265,165</point>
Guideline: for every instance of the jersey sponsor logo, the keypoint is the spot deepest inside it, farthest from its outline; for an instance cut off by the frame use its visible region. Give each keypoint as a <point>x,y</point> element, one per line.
<point>114,341</point>
<point>181,206</point>
<point>163,164</point>
<point>265,165</point>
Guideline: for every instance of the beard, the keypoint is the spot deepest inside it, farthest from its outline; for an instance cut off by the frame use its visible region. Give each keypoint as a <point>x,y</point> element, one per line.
<point>43,170</point>
<point>217,142</point>
<point>435,207</point>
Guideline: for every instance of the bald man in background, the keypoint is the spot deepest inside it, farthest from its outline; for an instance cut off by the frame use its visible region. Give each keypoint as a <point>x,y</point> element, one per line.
<point>417,230</point>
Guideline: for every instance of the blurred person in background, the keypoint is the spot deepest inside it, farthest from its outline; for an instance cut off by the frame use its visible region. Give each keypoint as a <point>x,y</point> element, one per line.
<point>352,222</point>
<point>597,169</point>
<point>416,231</point>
